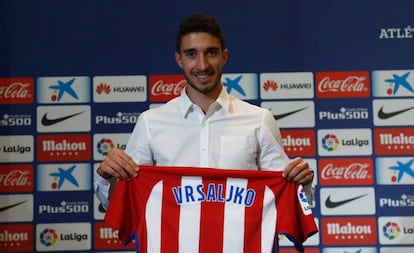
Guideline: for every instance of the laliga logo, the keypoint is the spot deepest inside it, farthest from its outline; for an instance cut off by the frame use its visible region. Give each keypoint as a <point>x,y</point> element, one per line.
<point>48,237</point>
<point>391,230</point>
<point>105,146</point>
<point>330,142</point>
<point>304,203</point>
<point>302,196</point>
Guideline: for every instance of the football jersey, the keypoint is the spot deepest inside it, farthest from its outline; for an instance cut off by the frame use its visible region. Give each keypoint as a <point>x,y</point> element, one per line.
<point>205,210</point>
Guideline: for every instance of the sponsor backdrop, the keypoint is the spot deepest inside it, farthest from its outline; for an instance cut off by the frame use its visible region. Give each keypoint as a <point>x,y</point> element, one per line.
<point>337,75</point>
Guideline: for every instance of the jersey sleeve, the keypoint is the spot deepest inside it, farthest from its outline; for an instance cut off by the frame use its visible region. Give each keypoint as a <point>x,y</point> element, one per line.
<point>295,219</point>
<point>122,210</point>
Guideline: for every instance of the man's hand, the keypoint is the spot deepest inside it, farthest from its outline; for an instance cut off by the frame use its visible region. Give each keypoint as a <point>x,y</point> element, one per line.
<point>298,171</point>
<point>118,164</point>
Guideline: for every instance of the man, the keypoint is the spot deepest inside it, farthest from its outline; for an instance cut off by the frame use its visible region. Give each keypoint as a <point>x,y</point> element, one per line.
<point>205,126</point>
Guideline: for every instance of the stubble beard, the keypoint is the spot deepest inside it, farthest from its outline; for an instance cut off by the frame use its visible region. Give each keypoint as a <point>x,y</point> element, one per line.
<point>204,89</point>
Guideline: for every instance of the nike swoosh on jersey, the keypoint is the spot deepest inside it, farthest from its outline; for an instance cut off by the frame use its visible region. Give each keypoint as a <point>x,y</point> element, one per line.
<point>332,204</point>
<point>48,122</point>
<point>4,208</point>
<point>281,116</point>
<point>387,115</point>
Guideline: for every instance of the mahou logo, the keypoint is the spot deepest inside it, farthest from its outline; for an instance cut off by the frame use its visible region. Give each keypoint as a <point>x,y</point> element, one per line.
<point>342,84</point>
<point>299,142</point>
<point>64,147</point>
<point>106,238</point>
<point>16,178</point>
<point>16,238</point>
<point>16,90</point>
<point>394,141</point>
<point>346,171</point>
<point>349,231</point>
<point>166,87</point>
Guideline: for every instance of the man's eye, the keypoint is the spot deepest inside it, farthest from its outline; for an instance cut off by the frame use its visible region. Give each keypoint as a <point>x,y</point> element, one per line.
<point>212,53</point>
<point>190,54</point>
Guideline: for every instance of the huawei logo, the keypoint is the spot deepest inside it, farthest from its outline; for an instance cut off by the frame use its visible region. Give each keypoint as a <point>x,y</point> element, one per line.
<point>270,85</point>
<point>103,88</point>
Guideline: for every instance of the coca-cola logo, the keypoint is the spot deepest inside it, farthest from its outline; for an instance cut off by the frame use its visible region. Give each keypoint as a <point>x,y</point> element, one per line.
<point>16,90</point>
<point>352,171</point>
<point>13,178</point>
<point>349,84</point>
<point>174,89</point>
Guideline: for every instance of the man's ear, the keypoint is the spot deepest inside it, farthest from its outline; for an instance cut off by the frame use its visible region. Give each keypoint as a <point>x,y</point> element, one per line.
<point>178,59</point>
<point>225,55</point>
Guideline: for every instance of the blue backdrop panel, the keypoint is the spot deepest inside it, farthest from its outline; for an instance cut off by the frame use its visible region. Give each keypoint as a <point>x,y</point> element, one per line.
<point>66,39</point>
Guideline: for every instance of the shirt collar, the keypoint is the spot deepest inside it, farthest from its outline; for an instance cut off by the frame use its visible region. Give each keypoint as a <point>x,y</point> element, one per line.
<point>186,106</point>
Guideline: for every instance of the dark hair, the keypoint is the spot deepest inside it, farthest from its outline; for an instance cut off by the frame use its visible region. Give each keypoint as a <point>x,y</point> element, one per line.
<point>199,23</point>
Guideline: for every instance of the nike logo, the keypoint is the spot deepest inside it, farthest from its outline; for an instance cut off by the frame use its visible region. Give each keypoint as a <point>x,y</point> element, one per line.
<point>4,208</point>
<point>283,115</point>
<point>332,204</point>
<point>387,115</point>
<point>48,122</point>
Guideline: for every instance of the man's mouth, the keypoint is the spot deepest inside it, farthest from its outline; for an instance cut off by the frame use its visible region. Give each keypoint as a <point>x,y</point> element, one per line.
<point>204,77</point>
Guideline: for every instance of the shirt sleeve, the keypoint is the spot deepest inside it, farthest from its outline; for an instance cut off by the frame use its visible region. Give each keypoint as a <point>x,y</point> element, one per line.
<point>122,210</point>
<point>138,146</point>
<point>295,218</point>
<point>309,192</point>
<point>101,188</point>
<point>271,155</point>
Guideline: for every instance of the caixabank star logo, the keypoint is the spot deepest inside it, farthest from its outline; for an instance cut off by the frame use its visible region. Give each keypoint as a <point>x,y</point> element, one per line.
<point>396,170</point>
<point>393,83</point>
<point>58,90</point>
<point>54,177</point>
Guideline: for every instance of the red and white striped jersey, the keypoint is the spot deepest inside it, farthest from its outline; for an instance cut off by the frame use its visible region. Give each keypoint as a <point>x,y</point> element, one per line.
<point>205,210</point>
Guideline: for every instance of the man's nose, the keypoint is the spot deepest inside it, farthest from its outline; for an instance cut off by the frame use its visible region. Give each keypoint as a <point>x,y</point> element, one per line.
<point>203,62</point>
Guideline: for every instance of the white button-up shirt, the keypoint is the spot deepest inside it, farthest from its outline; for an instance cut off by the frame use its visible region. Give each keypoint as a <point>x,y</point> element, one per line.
<point>233,134</point>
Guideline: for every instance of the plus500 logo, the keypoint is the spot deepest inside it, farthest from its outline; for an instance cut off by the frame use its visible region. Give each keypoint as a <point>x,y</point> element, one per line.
<point>16,120</point>
<point>65,207</point>
<point>343,114</point>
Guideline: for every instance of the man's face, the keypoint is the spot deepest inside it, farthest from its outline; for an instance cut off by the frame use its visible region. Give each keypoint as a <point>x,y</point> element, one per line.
<point>202,61</point>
